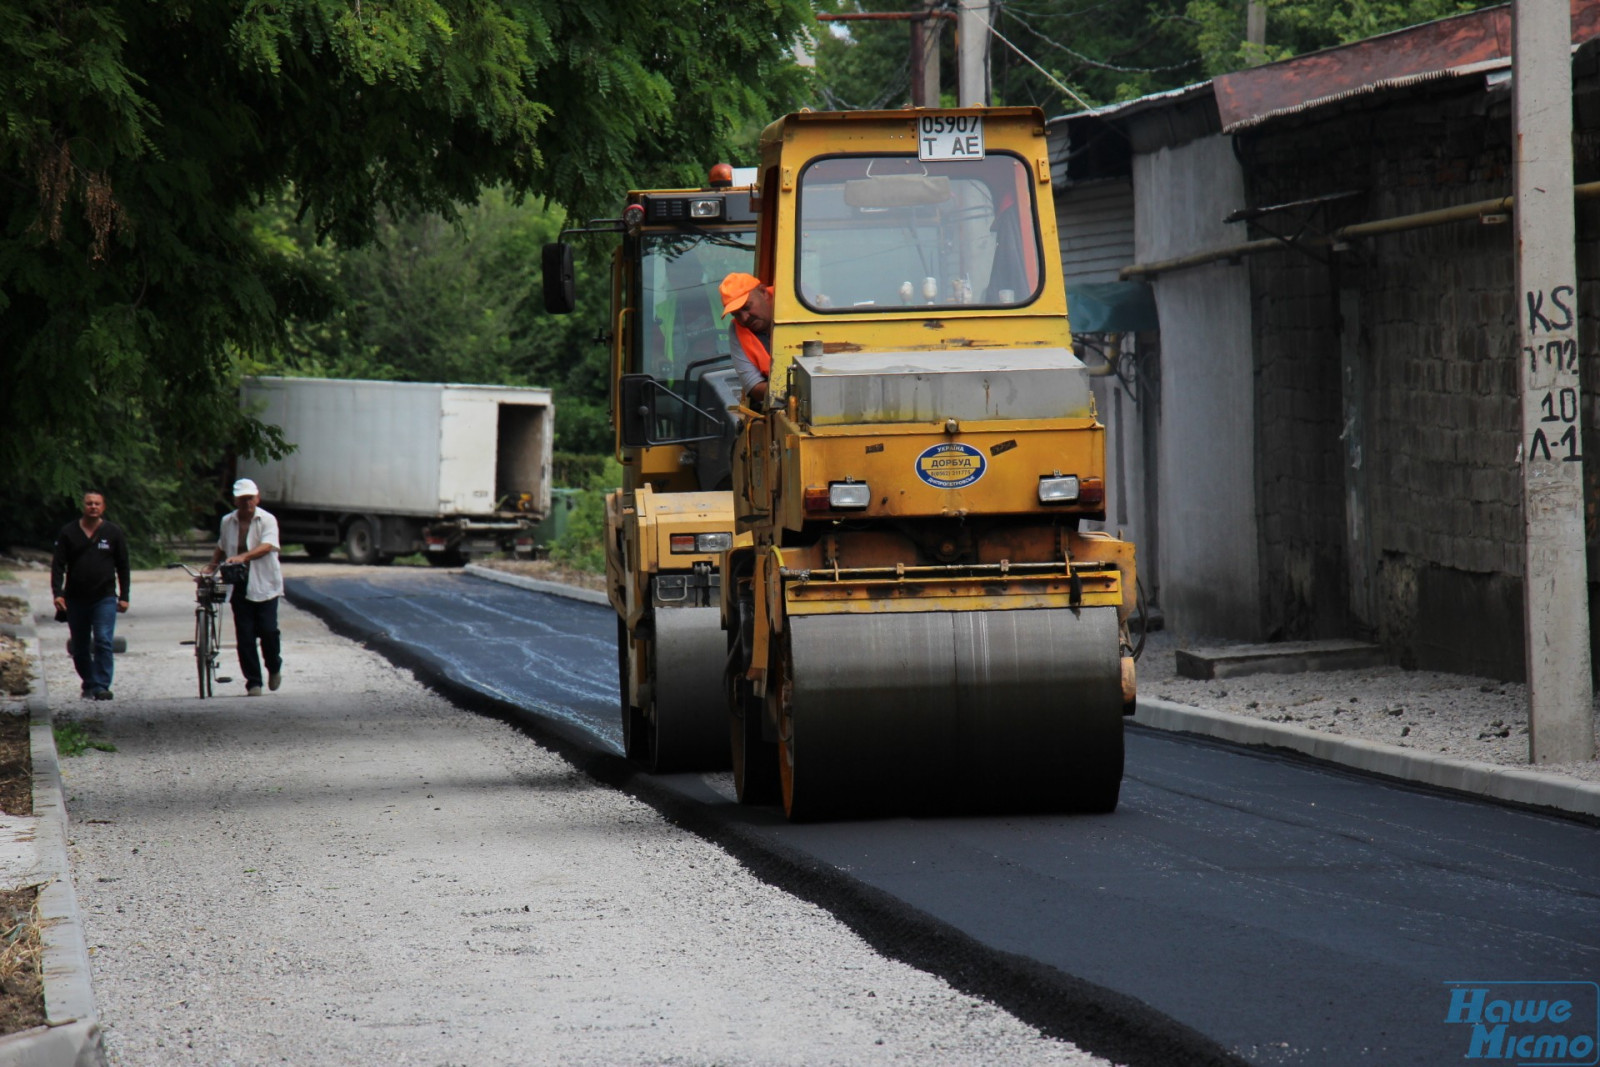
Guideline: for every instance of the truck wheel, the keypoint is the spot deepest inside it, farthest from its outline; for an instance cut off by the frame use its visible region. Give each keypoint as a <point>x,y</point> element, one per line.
<point>359,544</point>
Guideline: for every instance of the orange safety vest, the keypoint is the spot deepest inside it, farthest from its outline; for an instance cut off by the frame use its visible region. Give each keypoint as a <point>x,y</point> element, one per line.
<point>755,350</point>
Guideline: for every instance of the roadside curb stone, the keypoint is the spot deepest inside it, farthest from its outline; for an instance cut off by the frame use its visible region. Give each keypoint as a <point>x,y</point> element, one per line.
<point>537,585</point>
<point>72,1035</point>
<point>1512,785</point>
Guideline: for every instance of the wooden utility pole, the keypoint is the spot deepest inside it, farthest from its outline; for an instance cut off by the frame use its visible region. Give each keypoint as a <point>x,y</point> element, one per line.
<point>1556,595</point>
<point>1255,22</point>
<point>925,60</point>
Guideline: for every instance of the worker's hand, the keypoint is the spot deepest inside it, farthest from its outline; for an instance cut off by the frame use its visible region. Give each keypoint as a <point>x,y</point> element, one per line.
<point>61,603</point>
<point>237,559</point>
<point>122,605</point>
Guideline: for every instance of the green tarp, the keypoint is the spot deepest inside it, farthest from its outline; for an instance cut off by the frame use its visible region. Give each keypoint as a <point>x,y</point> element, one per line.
<point>1111,307</point>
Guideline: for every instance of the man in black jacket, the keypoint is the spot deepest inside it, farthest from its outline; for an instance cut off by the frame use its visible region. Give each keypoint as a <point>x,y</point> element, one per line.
<point>89,579</point>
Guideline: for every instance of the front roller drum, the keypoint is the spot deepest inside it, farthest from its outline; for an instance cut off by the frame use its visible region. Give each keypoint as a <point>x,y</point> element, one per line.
<point>949,711</point>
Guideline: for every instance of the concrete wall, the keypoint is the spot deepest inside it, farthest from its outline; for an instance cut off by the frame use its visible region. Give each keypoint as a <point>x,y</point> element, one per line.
<point>1206,448</point>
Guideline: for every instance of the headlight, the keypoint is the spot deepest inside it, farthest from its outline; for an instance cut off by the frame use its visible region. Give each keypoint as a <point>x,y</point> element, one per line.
<point>1058,489</point>
<point>705,209</point>
<point>843,496</point>
<point>681,544</point>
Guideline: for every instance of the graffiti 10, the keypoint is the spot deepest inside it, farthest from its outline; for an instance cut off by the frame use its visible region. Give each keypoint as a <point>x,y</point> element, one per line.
<point>1558,406</point>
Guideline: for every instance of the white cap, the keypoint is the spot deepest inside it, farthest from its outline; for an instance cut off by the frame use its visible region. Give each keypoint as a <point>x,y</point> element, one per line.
<point>245,487</point>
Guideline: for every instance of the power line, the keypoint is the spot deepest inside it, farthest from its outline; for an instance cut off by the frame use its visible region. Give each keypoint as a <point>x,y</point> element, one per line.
<point>1095,62</point>
<point>1057,82</point>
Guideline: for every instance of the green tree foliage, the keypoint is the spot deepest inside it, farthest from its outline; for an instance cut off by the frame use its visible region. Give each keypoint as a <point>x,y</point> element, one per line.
<point>1105,51</point>
<point>431,300</point>
<point>138,138</point>
<point>583,544</point>
<point>1295,27</point>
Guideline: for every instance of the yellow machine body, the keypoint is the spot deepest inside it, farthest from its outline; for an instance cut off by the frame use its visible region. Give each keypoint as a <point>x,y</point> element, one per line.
<point>922,619</point>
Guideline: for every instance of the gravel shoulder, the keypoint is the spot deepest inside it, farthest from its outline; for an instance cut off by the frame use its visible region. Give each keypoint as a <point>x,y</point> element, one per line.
<point>354,870</point>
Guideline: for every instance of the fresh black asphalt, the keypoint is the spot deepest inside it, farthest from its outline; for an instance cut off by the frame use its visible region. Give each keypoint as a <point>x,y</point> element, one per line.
<point>1238,906</point>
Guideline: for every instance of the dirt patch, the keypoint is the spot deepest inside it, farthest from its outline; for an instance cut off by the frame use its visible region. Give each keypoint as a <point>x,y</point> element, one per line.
<point>21,974</point>
<point>549,571</point>
<point>14,672</point>
<point>13,609</point>
<point>16,766</point>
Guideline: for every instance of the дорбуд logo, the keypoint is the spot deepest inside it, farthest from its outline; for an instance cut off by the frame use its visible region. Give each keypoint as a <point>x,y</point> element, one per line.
<point>1531,1024</point>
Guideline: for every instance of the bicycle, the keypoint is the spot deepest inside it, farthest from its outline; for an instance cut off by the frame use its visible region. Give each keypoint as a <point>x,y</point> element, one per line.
<point>209,591</point>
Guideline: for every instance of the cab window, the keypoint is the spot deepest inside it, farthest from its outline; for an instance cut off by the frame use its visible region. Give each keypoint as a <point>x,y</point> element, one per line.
<point>892,232</point>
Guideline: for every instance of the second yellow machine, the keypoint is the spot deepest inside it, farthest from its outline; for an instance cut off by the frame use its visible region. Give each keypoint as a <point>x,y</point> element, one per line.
<point>669,523</point>
<point>924,619</point>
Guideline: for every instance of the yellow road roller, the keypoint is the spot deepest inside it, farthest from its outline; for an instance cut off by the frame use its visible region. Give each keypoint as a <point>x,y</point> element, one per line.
<point>923,620</point>
<point>669,524</point>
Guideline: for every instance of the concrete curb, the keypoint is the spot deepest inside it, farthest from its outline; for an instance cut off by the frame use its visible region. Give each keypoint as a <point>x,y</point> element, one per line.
<point>1513,785</point>
<point>537,585</point>
<point>72,1037</point>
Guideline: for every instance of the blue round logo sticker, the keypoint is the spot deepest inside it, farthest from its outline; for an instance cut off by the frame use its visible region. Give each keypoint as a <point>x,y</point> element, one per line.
<point>951,465</point>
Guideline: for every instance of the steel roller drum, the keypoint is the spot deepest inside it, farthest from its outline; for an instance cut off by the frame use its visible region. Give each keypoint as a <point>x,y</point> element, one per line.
<point>970,710</point>
<point>691,727</point>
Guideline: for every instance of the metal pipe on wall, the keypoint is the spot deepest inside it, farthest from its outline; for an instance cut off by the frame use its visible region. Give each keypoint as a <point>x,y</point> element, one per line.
<point>1378,227</point>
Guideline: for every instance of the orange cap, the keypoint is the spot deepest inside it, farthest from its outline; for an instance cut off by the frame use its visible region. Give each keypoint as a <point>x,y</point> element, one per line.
<point>736,289</point>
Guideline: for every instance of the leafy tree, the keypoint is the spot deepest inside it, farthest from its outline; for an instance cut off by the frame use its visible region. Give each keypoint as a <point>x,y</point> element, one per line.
<point>1104,51</point>
<point>136,138</point>
<point>431,300</point>
<point>1295,27</point>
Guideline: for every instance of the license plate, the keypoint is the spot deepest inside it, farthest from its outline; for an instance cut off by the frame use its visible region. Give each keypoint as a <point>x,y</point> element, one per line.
<point>947,137</point>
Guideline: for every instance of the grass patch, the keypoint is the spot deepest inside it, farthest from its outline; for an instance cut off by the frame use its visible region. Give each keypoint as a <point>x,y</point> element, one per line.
<point>75,738</point>
<point>21,959</point>
<point>7,576</point>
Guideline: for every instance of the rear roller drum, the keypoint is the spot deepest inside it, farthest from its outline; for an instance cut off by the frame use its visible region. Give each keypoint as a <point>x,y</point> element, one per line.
<point>755,761</point>
<point>635,735</point>
<point>687,713</point>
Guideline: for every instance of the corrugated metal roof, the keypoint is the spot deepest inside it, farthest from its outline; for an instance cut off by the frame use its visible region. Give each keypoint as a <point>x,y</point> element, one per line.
<point>1464,44</point>
<point>1129,107</point>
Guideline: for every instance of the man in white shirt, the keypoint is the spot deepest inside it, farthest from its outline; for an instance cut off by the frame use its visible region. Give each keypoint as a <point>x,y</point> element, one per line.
<point>250,535</point>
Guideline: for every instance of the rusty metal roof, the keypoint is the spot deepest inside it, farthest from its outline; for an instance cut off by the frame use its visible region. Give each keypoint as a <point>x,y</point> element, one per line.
<point>1463,44</point>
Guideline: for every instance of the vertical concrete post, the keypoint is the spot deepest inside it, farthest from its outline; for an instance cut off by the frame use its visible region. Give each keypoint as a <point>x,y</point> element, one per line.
<point>1556,620</point>
<point>972,68</point>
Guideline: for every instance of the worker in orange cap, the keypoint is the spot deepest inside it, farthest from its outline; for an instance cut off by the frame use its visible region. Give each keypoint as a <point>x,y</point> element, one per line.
<point>750,334</point>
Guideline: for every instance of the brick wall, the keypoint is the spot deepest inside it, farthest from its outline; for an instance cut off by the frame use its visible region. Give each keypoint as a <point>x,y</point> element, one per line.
<point>1432,390</point>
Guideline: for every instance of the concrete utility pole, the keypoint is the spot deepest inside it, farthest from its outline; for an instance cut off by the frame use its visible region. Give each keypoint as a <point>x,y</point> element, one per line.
<point>1556,595</point>
<point>1255,22</point>
<point>972,31</point>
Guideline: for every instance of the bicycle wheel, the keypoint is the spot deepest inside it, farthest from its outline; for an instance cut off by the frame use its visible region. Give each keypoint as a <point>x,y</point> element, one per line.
<point>216,645</point>
<point>203,654</point>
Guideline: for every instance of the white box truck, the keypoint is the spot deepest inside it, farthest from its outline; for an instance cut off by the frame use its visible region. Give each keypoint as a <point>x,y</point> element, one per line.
<point>391,468</point>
